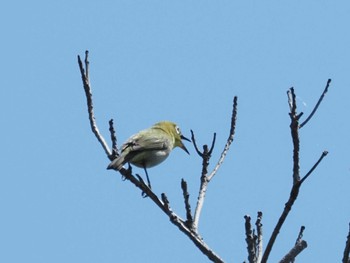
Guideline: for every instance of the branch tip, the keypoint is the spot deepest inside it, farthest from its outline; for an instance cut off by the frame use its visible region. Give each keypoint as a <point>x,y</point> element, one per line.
<point>324,154</point>
<point>88,95</point>
<point>186,195</point>
<point>346,254</point>
<point>113,139</point>
<point>212,144</point>
<point>195,144</point>
<point>317,104</point>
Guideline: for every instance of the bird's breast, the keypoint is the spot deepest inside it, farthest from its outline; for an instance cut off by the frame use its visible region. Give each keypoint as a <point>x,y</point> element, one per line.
<point>150,158</point>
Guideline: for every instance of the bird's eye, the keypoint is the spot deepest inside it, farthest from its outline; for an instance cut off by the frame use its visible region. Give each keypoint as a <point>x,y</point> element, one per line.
<point>178,130</point>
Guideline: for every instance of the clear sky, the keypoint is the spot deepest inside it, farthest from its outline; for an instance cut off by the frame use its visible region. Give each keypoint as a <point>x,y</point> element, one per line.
<point>181,61</point>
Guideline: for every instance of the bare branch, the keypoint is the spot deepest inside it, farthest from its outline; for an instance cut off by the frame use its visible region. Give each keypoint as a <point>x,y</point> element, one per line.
<point>88,94</point>
<point>259,240</point>
<point>317,104</point>
<point>193,139</point>
<point>113,139</point>
<point>87,63</point>
<point>346,254</point>
<point>202,188</point>
<point>324,154</point>
<point>186,196</point>
<point>300,235</point>
<point>294,126</point>
<point>139,183</point>
<point>174,218</point>
<point>299,239</point>
<point>229,139</point>
<point>288,206</point>
<point>205,155</point>
<point>212,144</point>
<point>250,239</point>
<point>254,241</point>
<point>166,202</point>
<point>294,252</point>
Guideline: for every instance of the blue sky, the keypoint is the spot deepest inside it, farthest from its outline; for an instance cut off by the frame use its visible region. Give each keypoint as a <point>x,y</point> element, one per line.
<point>181,61</point>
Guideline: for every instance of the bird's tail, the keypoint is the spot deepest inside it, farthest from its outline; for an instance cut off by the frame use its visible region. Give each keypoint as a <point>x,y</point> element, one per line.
<point>117,163</point>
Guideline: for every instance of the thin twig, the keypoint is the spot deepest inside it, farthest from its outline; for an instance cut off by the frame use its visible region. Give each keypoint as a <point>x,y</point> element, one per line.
<point>212,144</point>
<point>193,139</point>
<point>229,139</point>
<point>317,104</point>
<point>88,94</point>
<point>87,63</point>
<point>324,154</point>
<point>113,139</point>
<point>259,241</point>
<point>346,254</point>
<point>186,196</point>
<point>294,252</point>
<point>294,128</point>
<point>300,235</point>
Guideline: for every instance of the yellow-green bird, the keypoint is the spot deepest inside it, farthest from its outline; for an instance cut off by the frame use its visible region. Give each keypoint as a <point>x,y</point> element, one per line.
<point>150,147</point>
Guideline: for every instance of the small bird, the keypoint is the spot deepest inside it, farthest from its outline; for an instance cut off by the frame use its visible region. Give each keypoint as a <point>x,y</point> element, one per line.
<point>150,147</point>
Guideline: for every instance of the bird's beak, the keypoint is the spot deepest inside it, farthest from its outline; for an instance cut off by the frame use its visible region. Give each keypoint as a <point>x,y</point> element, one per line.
<point>182,146</point>
<point>184,138</point>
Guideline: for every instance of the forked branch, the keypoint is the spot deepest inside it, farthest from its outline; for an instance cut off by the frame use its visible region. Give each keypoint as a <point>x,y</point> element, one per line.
<point>162,203</point>
<point>297,182</point>
<point>206,155</point>
<point>254,241</point>
<point>88,94</point>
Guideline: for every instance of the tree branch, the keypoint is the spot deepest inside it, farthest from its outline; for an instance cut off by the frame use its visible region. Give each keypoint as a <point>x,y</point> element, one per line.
<point>186,196</point>
<point>113,139</point>
<point>174,218</point>
<point>294,252</point>
<point>346,254</point>
<point>127,173</point>
<point>250,239</point>
<point>229,139</point>
<point>294,128</point>
<point>324,154</point>
<point>317,104</point>
<point>299,239</point>
<point>254,241</point>
<point>300,235</point>
<point>87,89</point>
<point>206,155</point>
<point>203,185</point>
<point>259,240</point>
<point>297,182</point>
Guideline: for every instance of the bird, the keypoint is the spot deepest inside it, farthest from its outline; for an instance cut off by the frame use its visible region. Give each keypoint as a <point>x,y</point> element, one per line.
<point>150,147</point>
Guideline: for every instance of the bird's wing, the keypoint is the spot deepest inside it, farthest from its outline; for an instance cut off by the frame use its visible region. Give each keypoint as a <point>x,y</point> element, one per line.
<point>150,142</point>
<point>139,143</point>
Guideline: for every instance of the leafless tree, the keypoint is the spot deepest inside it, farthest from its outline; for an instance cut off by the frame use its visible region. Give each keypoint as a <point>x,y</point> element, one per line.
<point>189,226</point>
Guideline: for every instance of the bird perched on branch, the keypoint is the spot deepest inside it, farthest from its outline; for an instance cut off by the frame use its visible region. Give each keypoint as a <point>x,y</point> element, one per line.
<point>150,147</point>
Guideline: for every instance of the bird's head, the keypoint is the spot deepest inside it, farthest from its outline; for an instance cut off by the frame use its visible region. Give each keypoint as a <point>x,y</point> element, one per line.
<point>173,130</point>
